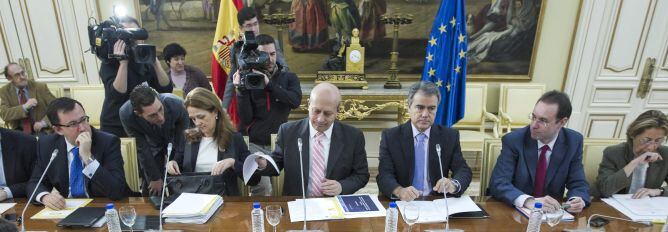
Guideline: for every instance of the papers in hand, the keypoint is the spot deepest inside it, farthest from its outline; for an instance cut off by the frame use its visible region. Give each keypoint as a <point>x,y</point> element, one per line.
<point>340,207</point>
<point>643,209</point>
<point>250,166</point>
<point>434,211</point>
<point>192,208</point>
<point>566,218</point>
<point>70,205</point>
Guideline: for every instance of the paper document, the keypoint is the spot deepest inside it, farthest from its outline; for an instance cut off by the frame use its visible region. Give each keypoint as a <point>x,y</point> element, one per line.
<point>70,205</point>
<point>434,211</point>
<point>6,206</point>
<point>361,205</point>
<point>566,218</point>
<point>191,204</point>
<point>316,208</point>
<point>639,210</point>
<point>250,166</point>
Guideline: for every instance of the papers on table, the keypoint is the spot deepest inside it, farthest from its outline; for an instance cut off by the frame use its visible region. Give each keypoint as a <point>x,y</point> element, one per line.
<point>644,209</point>
<point>71,204</point>
<point>340,207</point>
<point>6,206</point>
<point>434,211</point>
<point>192,208</point>
<point>250,166</point>
<point>566,218</point>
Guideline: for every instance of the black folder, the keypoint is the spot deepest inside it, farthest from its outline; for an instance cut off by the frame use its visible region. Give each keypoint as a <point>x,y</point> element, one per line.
<point>83,217</point>
<point>478,214</point>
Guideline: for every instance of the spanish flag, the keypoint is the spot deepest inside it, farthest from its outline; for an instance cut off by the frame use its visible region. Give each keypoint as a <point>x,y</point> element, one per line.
<point>227,33</point>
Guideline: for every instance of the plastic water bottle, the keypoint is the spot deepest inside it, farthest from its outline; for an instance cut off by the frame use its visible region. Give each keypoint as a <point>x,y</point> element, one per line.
<point>257,217</point>
<point>391,217</point>
<point>535,218</point>
<point>113,223</point>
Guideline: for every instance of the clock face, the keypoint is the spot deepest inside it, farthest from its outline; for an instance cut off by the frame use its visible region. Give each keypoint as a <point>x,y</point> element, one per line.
<point>355,56</point>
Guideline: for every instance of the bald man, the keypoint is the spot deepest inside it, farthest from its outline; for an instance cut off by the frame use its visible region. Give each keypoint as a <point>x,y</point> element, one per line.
<point>333,153</point>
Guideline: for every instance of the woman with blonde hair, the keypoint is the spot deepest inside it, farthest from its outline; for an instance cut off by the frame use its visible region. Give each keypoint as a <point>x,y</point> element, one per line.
<point>213,145</point>
<point>638,166</point>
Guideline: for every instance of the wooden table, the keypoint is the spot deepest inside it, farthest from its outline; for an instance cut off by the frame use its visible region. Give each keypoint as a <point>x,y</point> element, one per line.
<point>235,216</point>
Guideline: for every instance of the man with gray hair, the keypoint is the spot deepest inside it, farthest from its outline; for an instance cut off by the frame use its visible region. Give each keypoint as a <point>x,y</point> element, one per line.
<point>408,165</point>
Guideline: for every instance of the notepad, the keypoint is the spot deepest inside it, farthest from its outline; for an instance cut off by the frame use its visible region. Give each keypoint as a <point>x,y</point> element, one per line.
<point>434,211</point>
<point>70,205</point>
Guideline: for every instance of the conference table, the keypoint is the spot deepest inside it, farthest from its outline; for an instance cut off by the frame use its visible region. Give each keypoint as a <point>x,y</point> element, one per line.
<point>234,215</point>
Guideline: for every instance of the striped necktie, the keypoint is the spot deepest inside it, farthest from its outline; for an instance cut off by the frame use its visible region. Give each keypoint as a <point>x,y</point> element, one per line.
<point>318,166</point>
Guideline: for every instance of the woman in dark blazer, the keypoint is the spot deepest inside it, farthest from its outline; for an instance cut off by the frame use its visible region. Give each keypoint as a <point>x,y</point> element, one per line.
<point>212,146</point>
<point>646,144</point>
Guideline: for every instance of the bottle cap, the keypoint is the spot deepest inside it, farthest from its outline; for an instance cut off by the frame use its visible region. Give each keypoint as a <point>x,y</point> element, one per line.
<point>538,205</point>
<point>110,206</point>
<point>393,204</point>
<point>256,205</point>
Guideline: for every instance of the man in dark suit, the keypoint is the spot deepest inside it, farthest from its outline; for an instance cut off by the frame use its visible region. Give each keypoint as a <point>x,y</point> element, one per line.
<point>333,153</point>
<point>23,102</point>
<point>88,162</point>
<point>17,158</point>
<point>539,161</point>
<point>409,165</point>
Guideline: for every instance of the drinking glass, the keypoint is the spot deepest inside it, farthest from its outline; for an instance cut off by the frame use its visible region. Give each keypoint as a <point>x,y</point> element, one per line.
<point>553,218</point>
<point>274,214</point>
<point>128,215</point>
<point>411,214</point>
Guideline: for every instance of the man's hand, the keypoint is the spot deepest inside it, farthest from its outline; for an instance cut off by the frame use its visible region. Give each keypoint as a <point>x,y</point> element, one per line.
<point>236,78</point>
<point>220,166</point>
<point>261,163</point>
<point>331,187</point>
<point>266,79</point>
<point>84,141</point>
<point>173,168</point>
<point>54,200</point>
<point>39,125</point>
<point>445,184</point>
<point>645,192</point>
<point>3,195</point>
<point>119,48</point>
<point>549,203</point>
<point>155,187</point>
<point>30,104</point>
<point>577,205</point>
<point>406,194</point>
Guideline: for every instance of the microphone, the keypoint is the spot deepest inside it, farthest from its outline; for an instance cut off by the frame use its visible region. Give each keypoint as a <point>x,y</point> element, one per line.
<point>301,164</point>
<point>53,156</point>
<point>164,183</point>
<point>445,197</point>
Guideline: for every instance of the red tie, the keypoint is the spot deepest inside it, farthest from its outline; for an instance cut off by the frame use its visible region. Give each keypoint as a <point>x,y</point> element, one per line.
<point>25,122</point>
<point>541,169</point>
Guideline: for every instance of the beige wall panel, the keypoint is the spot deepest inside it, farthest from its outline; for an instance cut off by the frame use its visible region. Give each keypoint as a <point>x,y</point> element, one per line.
<point>47,39</point>
<point>614,95</point>
<point>604,125</point>
<point>626,42</point>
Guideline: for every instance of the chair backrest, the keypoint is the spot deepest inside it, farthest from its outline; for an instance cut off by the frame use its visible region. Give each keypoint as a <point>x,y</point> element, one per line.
<point>56,90</point>
<point>91,97</point>
<point>491,152</point>
<point>476,103</point>
<point>517,101</point>
<point>130,163</point>
<point>592,155</point>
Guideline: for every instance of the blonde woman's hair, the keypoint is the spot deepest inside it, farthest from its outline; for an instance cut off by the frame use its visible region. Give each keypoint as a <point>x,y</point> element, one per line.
<point>204,99</point>
<point>647,120</point>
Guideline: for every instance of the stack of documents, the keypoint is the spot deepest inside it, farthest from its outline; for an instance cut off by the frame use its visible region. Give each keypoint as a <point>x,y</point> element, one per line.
<point>192,208</point>
<point>434,211</point>
<point>566,218</point>
<point>643,209</point>
<point>71,204</point>
<point>340,207</point>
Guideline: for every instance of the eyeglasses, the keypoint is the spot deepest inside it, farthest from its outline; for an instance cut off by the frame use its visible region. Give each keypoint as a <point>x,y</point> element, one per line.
<point>543,122</point>
<point>648,141</point>
<point>75,123</point>
<point>22,73</point>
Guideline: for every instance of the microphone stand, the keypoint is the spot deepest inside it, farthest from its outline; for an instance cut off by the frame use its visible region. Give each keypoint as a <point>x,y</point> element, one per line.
<point>301,165</point>
<point>164,183</point>
<point>445,193</point>
<point>23,214</point>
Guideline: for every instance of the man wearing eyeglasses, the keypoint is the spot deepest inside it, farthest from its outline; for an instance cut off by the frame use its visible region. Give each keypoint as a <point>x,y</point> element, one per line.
<point>538,162</point>
<point>88,163</point>
<point>23,101</point>
<point>154,120</point>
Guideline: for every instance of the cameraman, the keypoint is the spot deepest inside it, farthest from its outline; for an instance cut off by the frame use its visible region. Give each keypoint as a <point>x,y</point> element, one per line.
<point>262,111</point>
<point>119,76</point>
<point>247,19</point>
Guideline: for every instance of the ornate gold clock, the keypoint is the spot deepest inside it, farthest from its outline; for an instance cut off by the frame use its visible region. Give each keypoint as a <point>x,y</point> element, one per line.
<point>355,54</point>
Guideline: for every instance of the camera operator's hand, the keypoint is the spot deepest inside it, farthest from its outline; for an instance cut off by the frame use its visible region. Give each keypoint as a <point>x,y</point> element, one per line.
<point>236,78</point>
<point>266,79</point>
<point>119,48</point>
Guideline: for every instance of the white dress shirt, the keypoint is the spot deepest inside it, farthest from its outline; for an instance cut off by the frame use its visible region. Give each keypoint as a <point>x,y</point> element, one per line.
<point>519,201</point>
<point>325,143</point>
<point>88,171</point>
<point>207,155</point>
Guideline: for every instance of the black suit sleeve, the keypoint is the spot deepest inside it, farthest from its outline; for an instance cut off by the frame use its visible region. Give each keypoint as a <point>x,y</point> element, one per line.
<point>360,172</point>
<point>109,178</point>
<point>278,154</point>
<point>42,159</point>
<point>144,155</point>
<point>241,150</point>
<point>460,170</point>
<point>386,179</point>
<point>27,157</point>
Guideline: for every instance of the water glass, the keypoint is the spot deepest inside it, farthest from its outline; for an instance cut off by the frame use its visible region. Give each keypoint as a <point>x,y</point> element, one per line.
<point>274,214</point>
<point>128,215</point>
<point>553,218</point>
<point>411,213</point>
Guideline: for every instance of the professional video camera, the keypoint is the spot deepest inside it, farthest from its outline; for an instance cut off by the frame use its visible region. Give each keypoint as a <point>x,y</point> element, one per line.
<point>250,58</point>
<point>103,36</point>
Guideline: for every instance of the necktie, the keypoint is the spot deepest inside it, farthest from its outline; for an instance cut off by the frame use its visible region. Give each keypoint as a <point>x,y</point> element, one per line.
<point>418,170</point>
<point>25,122</point>
<point>541,169</point>
<point>76,175</point>
<point>317,166</point>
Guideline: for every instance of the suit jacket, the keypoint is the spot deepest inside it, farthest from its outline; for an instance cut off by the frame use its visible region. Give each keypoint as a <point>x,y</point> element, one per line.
<point>397,158</point>
<point>612,179</point>
<point>12,112</point>
<point>18,159</point>
<point>238,150</point>
<point>108,180</point>
<point>346,162</point>
<point>515,168</point>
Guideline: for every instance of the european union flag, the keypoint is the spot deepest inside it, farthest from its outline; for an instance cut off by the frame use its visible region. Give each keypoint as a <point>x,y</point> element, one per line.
<point>445,63</point>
